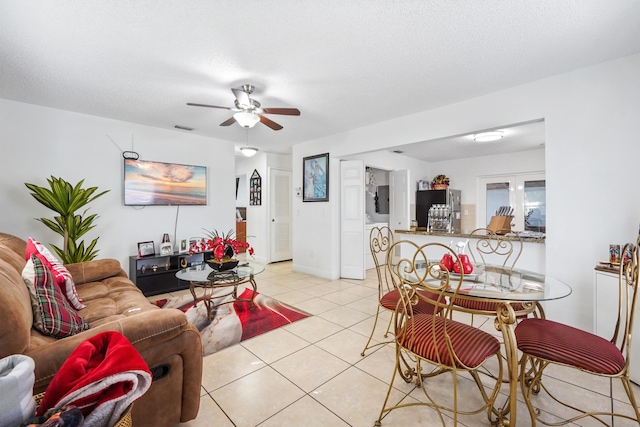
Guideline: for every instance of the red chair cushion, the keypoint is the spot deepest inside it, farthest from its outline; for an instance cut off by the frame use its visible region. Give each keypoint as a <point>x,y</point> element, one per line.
<point>564,344</point>
<point>390,300</point>
<point>481,305</point>
<point>424,335</point>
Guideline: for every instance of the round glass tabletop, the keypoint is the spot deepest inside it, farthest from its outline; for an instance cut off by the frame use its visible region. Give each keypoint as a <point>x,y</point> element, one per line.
<point>204,273</point>
<point>498,283</point>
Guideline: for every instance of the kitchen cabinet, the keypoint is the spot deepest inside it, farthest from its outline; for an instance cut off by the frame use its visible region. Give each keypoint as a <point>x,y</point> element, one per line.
<point>368,259</point>
<point>604,318</point>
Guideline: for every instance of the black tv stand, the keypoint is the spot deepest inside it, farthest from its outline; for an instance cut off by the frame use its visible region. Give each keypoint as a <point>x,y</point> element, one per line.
<point>156,274</point>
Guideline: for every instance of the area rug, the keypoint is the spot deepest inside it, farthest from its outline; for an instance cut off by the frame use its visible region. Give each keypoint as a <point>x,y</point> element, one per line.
<point>234,321</point>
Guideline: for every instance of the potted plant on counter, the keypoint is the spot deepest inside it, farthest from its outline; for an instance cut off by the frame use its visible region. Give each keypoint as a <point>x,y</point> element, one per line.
<point>440,182</point>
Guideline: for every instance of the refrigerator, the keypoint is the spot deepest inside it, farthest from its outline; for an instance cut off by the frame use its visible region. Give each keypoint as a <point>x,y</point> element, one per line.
<point>448,212</point>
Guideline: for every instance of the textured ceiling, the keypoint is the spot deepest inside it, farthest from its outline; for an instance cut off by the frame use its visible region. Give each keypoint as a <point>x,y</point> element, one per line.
<point>344,64</point>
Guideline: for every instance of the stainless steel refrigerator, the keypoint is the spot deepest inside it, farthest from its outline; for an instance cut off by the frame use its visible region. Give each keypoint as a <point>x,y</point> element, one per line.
<point>425,199</point>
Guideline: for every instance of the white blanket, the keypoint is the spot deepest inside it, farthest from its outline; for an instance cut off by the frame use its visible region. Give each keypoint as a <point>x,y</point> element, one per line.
<point>16,389</point>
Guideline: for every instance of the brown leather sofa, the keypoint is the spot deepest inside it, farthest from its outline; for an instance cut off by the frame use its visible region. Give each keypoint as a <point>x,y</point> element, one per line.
<point>168,343</point>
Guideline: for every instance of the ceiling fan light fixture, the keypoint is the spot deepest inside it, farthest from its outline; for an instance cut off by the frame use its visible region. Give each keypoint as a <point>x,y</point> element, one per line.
<point>488,136</point>
<point>246,119</point>
<point>248,151</point>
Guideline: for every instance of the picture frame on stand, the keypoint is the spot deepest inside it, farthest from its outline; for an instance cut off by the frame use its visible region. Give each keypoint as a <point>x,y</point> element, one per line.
<point>146,249</point>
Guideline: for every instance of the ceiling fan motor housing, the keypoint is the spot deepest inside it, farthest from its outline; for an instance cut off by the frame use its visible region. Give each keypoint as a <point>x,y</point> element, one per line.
<point>244,106</point>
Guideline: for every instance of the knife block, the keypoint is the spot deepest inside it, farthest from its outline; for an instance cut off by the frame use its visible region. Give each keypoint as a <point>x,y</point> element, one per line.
<point>500,224</point>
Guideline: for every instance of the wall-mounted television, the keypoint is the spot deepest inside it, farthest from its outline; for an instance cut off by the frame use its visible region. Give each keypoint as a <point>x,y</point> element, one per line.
<point>148,183</point>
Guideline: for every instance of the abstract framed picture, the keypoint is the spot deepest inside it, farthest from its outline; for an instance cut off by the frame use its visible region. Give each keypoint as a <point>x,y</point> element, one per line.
<point>315,182</point>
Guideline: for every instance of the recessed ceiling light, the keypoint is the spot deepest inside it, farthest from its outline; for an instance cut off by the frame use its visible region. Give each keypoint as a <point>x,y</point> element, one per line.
<point>487,136</point>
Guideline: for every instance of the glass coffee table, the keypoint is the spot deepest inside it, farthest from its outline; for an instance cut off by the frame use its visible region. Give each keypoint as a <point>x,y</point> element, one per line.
<point>212,281</point>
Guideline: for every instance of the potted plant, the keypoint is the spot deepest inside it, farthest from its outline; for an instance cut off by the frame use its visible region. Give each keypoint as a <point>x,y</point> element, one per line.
<point>440,182</point>
<point>66,199</point>
<point>224,247</point>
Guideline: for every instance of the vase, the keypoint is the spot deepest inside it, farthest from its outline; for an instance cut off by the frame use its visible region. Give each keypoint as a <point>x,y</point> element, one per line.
<point>222,265</point>
<point>440,186</point>
<point>228,251</point>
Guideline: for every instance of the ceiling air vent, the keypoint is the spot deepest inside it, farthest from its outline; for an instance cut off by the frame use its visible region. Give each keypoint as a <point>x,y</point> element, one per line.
<point>398,151</point>
<point>183,128</point>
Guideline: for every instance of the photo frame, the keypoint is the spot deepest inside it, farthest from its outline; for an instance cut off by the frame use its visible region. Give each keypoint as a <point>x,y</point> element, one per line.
<point>315,178</point>
<point>146,249</point>
<point>166,249</point>
<point>184,247</point>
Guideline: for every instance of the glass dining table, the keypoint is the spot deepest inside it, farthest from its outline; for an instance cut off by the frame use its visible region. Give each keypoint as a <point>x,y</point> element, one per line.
<point>212,282</point>
<point>515,294</point>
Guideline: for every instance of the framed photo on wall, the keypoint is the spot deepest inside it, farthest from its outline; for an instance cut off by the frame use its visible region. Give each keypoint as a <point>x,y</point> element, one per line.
<point>315,178</point>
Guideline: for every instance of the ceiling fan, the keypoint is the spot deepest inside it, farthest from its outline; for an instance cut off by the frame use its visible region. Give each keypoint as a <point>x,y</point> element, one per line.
<point>248,112</point>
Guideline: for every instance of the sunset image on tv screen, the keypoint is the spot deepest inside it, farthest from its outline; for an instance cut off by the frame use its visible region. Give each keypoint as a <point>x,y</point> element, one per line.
<point>156,183</point>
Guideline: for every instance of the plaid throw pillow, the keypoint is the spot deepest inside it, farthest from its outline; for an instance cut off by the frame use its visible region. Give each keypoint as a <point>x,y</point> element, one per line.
<point>58,270</point>
<point>52,313</point>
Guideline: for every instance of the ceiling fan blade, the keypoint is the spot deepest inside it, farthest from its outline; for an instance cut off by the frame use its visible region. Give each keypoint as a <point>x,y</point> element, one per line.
<point>242,97</point>
<point>207,105</point>
<point>228,122</point>
<point>273,125</point>
<point>285,111</point>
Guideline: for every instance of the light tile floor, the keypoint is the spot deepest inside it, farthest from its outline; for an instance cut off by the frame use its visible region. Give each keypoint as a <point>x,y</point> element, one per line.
<point>310,373</point>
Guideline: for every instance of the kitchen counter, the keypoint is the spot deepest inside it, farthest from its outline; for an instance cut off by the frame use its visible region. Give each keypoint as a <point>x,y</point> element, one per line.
<point>461,235</point>
<point>532,257</point>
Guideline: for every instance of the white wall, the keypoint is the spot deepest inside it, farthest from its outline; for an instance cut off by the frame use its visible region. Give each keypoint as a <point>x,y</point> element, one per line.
<point>464,173</point>
<point>591,125</point>
<point>38,142</point>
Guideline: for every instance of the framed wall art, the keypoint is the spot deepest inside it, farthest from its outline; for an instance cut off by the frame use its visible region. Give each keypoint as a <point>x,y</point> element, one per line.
<point>315,182</point>
<point>255,189</point>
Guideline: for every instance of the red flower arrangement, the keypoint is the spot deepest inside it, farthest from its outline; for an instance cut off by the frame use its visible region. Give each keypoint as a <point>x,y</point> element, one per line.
<point>223,246</point>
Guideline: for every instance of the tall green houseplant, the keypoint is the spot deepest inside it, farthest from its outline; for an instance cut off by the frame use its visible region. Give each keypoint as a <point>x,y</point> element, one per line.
<point>66,199</point>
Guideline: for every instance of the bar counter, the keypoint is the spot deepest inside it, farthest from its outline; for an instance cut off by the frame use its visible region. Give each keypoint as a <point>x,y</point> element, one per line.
<point>533,249</point>
<point>461,235</point>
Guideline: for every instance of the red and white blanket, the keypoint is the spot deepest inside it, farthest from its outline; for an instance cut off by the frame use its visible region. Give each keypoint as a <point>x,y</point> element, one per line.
<point>102,377</point>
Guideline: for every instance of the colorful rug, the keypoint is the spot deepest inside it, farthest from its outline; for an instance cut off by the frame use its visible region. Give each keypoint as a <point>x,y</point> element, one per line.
<point>234,322</point>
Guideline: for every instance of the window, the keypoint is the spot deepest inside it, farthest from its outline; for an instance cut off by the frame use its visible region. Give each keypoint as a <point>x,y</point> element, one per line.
<point>535,211</point>
<point>525,193</point>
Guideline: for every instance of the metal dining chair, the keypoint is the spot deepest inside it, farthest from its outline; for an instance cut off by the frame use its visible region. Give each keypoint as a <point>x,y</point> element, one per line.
<point>429,345</point>
<point>380,240</point>
<point>488,248</point>
<point>545,342</point>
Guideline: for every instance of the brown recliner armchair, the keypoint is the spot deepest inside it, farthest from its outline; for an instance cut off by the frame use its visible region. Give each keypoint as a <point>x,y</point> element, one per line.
<point>167,342</point>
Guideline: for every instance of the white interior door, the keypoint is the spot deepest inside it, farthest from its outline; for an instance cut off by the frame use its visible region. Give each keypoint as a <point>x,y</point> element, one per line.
<point>399,216</point>
<point>280,215</point>
<point>352,219</point>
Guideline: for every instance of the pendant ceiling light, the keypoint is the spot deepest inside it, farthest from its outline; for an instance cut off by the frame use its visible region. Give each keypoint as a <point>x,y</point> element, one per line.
<point>246,119</point>
<point>246,150</point>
